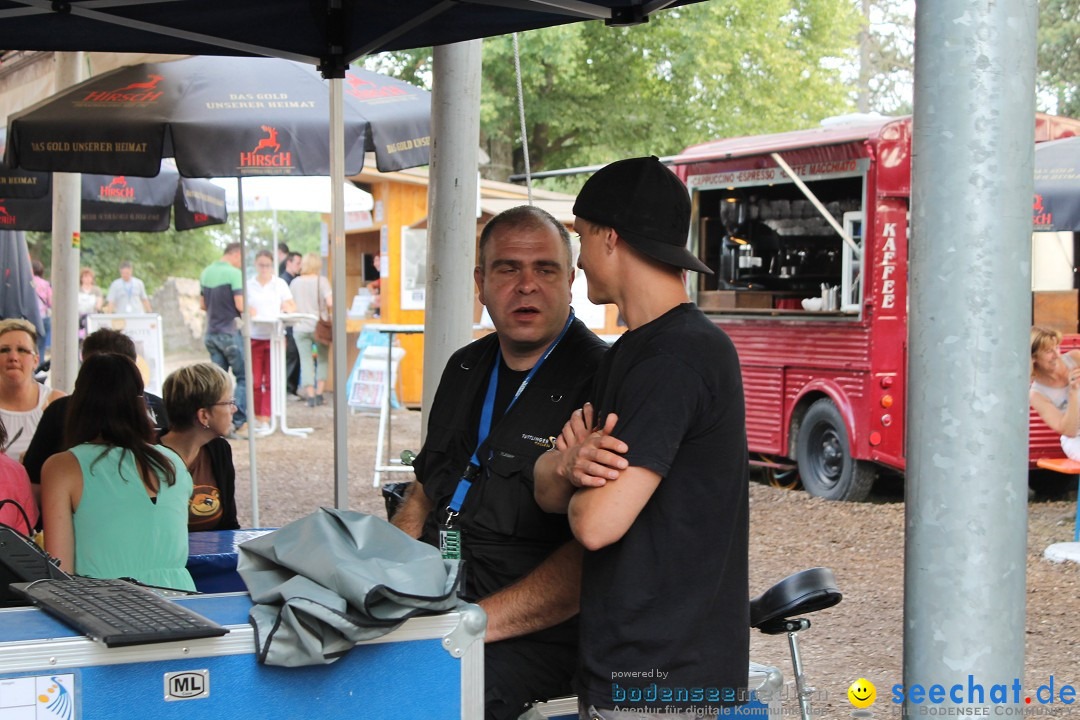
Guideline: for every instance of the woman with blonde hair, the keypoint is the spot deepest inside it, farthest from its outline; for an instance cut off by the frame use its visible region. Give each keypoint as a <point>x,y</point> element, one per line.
<point>1055,387</point>
<point>199,402</point>
<point>311,293</point>
<point>22,398</point>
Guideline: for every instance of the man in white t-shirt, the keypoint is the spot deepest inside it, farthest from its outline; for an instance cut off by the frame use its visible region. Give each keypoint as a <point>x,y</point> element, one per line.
<point>267,296</point>
<point>127,294</point>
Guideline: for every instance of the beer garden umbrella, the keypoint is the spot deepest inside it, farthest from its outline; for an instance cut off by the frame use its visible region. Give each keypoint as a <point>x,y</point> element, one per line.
<point>1057,186</point>
<point>115,203</point>
<point>17,296</point>
<point>219,117</point>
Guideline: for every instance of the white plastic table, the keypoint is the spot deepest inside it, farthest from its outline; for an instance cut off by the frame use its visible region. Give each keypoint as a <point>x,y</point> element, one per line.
<point>382,443</point>
<point>277,373</point>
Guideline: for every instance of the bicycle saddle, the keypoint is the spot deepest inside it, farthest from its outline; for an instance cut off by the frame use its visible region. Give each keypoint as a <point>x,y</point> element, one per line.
<point>804,592</point>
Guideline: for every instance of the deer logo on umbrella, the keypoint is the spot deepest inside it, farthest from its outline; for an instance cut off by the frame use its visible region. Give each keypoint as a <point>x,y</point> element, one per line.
<point>364,89</point>
<point>1040,216</point>
<point>270,141</point>
<point>136,92</point>
<point>150,84</point>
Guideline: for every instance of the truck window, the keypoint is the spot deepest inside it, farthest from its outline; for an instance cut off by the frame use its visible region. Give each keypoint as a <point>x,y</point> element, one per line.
<point>772,249</point>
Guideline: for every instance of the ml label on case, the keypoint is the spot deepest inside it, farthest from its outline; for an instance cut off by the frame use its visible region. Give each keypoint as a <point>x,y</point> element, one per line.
<point>187,685</point>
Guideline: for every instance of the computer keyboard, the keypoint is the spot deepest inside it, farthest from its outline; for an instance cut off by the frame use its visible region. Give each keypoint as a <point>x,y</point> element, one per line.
<point>117,613</point>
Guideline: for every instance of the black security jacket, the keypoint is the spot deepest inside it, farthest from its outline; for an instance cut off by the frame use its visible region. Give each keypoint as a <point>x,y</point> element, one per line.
<point>504,533</point>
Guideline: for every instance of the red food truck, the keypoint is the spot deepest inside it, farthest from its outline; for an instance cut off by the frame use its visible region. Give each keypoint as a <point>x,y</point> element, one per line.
<point>807,232</point>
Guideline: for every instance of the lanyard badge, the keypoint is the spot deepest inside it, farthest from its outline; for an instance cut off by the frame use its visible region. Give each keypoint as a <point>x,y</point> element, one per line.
<point>450,543</point>
<point>449,533</point>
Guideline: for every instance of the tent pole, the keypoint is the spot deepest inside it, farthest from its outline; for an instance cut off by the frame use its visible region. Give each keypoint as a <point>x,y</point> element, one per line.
<point>67,212</point>
<point>249,381</point>
<point>337,291</point>
<point>970,309</point>
<point>451,240</point>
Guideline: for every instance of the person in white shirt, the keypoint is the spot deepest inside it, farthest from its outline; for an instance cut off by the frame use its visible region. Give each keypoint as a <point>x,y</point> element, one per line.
<point>268,296</point>
<point>127,293</point>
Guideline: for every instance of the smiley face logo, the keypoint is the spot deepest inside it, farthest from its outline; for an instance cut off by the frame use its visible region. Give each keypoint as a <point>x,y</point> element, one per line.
<point>862,693</point>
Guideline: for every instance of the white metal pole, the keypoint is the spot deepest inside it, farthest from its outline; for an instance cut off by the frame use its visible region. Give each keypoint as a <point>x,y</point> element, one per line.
<point>249,381</point>
<point>337,289</point>
<point>970,309</point>
<point>451,240</point>
<point>64,271</point>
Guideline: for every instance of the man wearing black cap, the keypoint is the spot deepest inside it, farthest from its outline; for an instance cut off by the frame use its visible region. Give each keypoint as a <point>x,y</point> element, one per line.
<point>653,473</point>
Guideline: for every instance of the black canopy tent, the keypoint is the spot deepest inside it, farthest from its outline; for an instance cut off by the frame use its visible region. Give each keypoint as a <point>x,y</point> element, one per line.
<point>326,33</point>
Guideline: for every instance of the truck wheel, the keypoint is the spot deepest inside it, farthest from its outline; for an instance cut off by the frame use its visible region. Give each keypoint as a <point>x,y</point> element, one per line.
<point>823,452</point>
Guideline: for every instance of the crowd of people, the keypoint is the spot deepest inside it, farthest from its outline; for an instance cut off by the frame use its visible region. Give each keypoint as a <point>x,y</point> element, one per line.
<point>113,475</point>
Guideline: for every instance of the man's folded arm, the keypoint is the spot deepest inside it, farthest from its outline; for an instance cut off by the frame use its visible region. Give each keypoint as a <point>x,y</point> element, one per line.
<point>546,596</point>
<point>600,516</point>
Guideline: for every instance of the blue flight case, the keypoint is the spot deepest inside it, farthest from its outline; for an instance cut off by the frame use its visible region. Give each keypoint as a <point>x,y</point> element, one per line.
<point>429,667</point>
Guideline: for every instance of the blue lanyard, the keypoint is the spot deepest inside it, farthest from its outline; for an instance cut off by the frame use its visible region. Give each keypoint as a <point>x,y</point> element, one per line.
<point>485,419</point>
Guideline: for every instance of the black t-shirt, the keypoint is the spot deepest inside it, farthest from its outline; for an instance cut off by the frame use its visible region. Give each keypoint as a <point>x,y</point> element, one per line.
<point>665,610</point>
<point>49,436</point>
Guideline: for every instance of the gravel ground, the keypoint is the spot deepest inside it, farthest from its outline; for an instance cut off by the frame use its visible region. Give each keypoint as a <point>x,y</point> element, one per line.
<point>789,531</point>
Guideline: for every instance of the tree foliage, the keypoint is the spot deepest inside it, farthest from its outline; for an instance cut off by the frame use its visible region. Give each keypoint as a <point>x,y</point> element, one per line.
<point>155,256</point>
<point>886,56</point>
<point>1059,54</point>
<point>593,93</point>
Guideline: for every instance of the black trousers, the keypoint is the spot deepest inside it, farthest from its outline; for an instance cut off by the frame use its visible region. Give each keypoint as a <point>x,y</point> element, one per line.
<point>522,670</point>
<point>292,363</point>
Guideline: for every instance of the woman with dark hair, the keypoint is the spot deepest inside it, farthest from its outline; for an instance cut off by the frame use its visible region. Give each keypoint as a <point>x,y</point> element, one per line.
<point>115,504</point>
<point>199,400</point>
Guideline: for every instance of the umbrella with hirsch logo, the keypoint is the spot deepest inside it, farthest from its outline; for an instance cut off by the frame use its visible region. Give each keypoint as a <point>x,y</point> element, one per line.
<point>116,203</point>
<point>112,203</point>
<point>1057,186</point>
<point>220,117</point>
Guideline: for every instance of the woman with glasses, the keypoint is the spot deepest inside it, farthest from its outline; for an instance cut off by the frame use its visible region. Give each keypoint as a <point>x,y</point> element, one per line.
<point>22,398</point>
<point>115,504</point>
<point>199,402</point>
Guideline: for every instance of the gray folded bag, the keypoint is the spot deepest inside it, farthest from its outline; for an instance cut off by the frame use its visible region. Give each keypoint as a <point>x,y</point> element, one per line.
<point>336,577</point>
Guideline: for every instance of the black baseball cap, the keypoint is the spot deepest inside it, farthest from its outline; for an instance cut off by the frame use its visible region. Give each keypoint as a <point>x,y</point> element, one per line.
<point>646,204</point>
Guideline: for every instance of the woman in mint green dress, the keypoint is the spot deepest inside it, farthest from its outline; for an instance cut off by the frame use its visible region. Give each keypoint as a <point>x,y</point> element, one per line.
<point>115,504</point>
